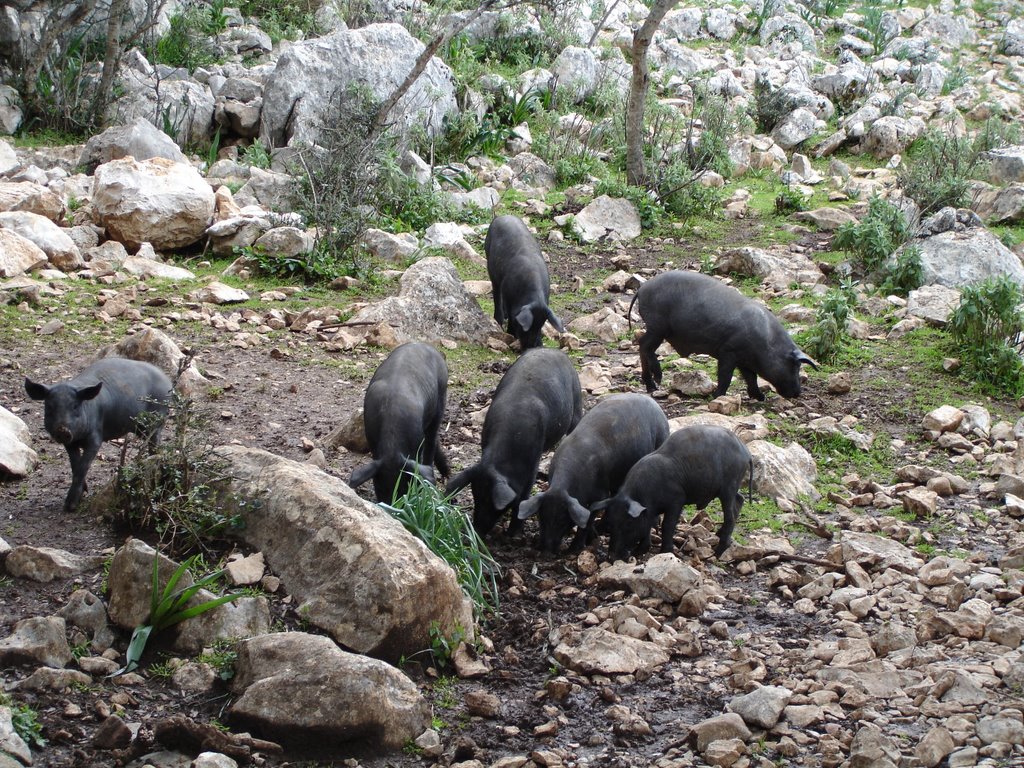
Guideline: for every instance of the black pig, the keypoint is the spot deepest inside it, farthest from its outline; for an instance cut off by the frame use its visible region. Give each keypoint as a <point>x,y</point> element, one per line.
<point>695,465</point>
<point>591,463</point>
<point>402,412</point>
<point>699,314</point>
<point>519,281</point>
<point>101,403</point>
<point>537,402</point>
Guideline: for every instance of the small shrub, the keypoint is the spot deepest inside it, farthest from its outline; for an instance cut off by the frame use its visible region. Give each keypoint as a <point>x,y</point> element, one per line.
<point>789,200</point>
<point>25,721</point>
<point>450,535</point>
<point>770,104</point>
<point>293,20</point>
<point>871,241</point>
<point>988,331</point>
<point>170,606</point>
<point>879,31</point>
<point>719,125</point>
<point>255,155</point>
<point>940,170</point>
<point>171,492</point>
<point>828,334</point>
<point>906,273</point>
<point>190,41</point>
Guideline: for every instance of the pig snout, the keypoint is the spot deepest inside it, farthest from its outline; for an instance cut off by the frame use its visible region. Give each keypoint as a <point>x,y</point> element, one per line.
<point>62,434</point>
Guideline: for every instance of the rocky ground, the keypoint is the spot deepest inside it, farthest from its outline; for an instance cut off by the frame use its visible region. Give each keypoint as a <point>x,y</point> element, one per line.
<point>866,627</point>
<point>871,610</point>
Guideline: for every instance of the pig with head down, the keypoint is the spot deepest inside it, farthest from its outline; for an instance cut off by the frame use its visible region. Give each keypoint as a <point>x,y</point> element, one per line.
<point>591,463</point>
<point>402,412</point>
<point>693,466</point>
<point>537,402</point>
<point>519,281</point>
<point>698,314</point>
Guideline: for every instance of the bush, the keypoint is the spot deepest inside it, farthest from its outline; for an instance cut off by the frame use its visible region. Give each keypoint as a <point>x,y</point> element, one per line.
<point>171,492</point>
<point>828,334</point>
<point>719,124</point>
<point>191,40</point>
<point>988,330</point>
<point>871,241</point>
<point>940,169</point>
<point>770,104</point>
<point>789,201</point>
<point>450,535</point>
<point>905,273</point>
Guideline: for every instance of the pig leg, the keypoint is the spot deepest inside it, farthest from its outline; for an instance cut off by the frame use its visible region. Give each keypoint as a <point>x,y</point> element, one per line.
<point>730,513</point>
<point>753,390</point>
<point>499,306</point>
<point>669,523</point>
<point>81,457</point>
<point>650,368</point>
<point>726,366</point>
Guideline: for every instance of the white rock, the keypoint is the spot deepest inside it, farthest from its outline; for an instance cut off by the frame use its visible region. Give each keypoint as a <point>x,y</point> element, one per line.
<point>607,218</point>
<point>157,201</point>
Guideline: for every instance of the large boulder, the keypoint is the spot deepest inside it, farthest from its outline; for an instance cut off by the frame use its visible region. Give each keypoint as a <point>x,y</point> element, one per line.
<point>140,139</point>
<point>18,254</point>
<point>158,201</point>
<point>607,218</point>
<point>890,135</point>
<point>297,688</point>
<point>183,104</point>
<point>999,204</point>
<point>54,241</point>
<point>32,197</point>
<point>17,459</point>
<point>955,259</point>
<point>431,305</point>
<point>353,569</point>
<point>787,473</point>
<point>780,269</point>
<point>312,74</point>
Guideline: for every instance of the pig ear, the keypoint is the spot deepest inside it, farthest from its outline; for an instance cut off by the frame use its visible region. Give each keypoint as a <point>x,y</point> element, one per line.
<point>525,317</point>
<point>580,515</point>
<point>88,393</point>
<point>461,480</point>
<point>555,321</point>
<point>635,508</point>
<point>801,357</point>
<point>412,468</point>
<point>361,474</point>
<point>598,506</point>
<point>36,391</point>
<point>529,507</point>
<point>502,494</point>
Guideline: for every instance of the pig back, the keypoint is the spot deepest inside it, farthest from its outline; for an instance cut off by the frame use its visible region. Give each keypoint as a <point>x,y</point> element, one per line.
<point>130,388</point>
<point>593,460</point>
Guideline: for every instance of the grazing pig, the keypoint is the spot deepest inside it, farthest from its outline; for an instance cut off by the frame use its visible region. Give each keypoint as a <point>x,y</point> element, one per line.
<point>519,281</point>
<point>402,413</point>
<point>699,314</point>
<point>695,465</point>
<point>101,403</point>
<point>537,402</point>
<point>592,462</point>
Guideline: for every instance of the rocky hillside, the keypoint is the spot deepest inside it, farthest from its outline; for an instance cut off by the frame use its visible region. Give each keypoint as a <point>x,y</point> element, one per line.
<point>250,221</point>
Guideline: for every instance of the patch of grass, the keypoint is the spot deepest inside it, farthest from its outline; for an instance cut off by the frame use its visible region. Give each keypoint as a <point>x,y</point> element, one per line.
<point>222,657</point>
<point>449,534</point>
<point>445,690</point>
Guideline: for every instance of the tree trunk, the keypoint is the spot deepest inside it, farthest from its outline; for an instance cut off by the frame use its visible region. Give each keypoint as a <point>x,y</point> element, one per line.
<point>111,60</point>
<point>636,171</point>
<point>384,111</point>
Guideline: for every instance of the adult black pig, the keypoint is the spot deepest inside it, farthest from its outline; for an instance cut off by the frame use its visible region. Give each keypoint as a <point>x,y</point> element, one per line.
<point>537,402</point>
<point>402,412</point>
<point>101,403</point>
<point>591,463</point>
<point>695,465</point>
<point>699,314</point>
<point>519,281</point>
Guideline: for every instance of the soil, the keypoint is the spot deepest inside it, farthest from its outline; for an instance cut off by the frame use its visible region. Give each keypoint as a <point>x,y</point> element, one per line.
<point>286,401</point>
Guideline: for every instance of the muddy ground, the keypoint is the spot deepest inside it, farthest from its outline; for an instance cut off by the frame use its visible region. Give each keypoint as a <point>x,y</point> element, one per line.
<point>285,401</point>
